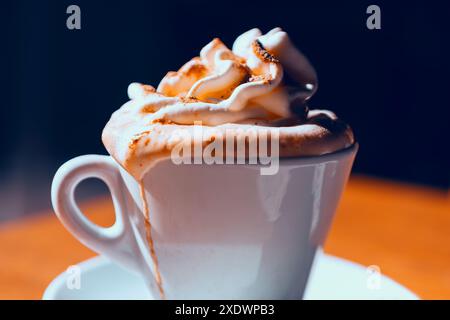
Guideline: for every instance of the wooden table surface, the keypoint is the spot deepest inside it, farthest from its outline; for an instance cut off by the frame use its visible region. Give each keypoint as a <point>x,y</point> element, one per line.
<point>403,229</point>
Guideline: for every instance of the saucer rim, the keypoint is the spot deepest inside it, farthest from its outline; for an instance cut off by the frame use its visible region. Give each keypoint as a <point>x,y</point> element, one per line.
<point>54,286</point>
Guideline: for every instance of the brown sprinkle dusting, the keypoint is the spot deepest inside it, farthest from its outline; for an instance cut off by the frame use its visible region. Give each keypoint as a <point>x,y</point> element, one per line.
<point>261,52</point>
<point>188,99</point>
<point>162,121</point>
<point>135,140</point>
<point>262,77</point>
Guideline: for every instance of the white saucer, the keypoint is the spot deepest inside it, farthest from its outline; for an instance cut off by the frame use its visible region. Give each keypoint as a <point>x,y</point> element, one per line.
<point>331,278</point>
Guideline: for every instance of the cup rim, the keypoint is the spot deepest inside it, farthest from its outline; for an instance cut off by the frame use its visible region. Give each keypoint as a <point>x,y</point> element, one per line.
<point>288,161</point>
<point>341,153</point>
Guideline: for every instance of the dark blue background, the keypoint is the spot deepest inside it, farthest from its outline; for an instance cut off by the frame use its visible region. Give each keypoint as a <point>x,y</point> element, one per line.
<point>59,86</point>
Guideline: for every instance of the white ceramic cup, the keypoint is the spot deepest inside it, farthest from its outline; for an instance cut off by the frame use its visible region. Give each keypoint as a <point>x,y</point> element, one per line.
<point>220,231</point>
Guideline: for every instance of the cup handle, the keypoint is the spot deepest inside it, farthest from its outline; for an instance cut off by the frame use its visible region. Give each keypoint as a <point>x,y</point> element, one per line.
<point>116,242</point>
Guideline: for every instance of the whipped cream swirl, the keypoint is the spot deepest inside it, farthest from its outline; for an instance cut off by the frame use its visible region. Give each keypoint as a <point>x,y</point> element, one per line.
<point>242,88</point>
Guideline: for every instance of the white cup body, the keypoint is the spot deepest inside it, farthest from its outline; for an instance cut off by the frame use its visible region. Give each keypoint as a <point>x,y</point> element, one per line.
<point>228,232</point>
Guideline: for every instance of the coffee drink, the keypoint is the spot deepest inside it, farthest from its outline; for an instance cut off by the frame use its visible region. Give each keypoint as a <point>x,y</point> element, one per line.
<point>263,83</point>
